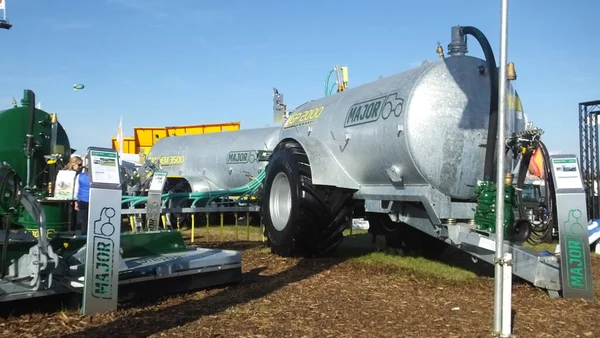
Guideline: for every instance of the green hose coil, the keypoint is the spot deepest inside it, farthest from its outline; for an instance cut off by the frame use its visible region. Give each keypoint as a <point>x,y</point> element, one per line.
<point>485,212</point>
<point>243,191</point>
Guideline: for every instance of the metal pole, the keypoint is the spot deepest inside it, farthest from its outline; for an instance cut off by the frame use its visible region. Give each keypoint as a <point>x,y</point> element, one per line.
<point>498,280</point>
<point>506,296</point>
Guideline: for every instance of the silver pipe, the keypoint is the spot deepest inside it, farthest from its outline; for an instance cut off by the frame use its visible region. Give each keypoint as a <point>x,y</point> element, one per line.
<point>28,177</point>
<point>498,280</point>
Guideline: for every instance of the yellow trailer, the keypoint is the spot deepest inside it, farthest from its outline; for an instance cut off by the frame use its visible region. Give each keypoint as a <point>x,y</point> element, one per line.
<point>145,137</point>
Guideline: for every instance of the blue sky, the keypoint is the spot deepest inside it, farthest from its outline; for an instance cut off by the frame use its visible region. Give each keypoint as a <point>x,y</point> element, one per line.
<point>159,63</point>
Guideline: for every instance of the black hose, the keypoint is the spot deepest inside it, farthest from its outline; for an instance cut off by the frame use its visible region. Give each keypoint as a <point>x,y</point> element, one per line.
<point>10,188</point>
<point>488,171</point>
<point>523,168</point>
<point>29,146</point>
<point>544,234</point>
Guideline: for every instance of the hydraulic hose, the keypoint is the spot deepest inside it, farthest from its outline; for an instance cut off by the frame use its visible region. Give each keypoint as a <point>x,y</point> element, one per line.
<point>543,234</point>
<point>523,168</point>
<point>245,190</point>
<point>331,89</point>
<point>327,90</point>
<point>488,171</point>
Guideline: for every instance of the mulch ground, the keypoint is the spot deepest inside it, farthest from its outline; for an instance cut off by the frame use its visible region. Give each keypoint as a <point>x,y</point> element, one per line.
<point>325,298</point>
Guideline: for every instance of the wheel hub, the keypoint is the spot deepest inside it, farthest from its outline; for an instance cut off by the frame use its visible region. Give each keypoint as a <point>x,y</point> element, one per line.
<point>280,201</point>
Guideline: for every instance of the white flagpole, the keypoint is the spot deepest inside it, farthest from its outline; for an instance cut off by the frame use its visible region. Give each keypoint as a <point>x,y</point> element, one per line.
<point>120,136</point>
<point>503,274</point>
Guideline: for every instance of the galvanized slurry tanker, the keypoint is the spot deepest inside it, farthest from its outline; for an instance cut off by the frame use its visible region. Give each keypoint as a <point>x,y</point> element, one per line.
<point>218,161</point>
<point>409,151</point>
<point>412,137</point>
<point>33,149</point>
<point>217,170</point>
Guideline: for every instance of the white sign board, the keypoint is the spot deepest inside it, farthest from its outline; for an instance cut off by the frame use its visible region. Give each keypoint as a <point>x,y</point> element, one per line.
<point>104,167</point>
<point>64,187</point>
<point>567,173</point>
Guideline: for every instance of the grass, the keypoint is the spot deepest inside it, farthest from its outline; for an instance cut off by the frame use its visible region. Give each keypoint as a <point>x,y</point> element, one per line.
<point>216,233</point>
<point>360,248</point>
<point>418,265</point>
<point>543,246</point>
<point>357,248</point>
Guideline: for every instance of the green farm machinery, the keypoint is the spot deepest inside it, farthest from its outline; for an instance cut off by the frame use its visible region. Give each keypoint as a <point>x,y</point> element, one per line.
<point>42,255</point>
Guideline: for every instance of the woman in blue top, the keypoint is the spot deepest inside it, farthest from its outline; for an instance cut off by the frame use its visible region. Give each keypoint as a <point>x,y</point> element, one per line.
<point>82,196</point>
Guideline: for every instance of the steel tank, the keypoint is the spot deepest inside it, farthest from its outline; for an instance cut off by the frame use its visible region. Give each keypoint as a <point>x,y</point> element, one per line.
<point>427,125</point>
<point>215,161</point>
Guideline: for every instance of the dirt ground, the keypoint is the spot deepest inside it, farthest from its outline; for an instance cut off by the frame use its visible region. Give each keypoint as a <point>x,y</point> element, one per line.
<point>339,297</point>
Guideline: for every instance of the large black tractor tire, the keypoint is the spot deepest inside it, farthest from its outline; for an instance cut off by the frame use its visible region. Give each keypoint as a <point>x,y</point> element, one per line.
<point>178,186</point>
<point>301,219</point>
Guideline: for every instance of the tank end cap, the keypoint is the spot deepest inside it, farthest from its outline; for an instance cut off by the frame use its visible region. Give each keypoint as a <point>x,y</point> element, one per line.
<point>458,42</point>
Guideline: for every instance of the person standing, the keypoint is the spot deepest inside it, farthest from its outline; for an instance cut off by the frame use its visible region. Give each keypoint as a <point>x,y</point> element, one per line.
<point>75,163</point>
<point>82,198</point>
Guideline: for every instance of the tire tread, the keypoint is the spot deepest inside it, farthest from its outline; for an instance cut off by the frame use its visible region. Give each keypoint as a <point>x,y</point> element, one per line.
<point>322,212</point>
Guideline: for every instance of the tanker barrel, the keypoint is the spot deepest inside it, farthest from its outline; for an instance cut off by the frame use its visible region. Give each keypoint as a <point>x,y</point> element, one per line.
<point>216,161</point>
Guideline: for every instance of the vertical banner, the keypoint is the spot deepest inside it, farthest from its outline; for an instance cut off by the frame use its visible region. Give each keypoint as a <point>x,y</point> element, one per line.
<point>571,209</point>
<point>103,258</point>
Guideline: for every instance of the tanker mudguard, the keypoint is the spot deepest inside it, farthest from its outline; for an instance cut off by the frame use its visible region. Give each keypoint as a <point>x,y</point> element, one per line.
<point>325,168</point>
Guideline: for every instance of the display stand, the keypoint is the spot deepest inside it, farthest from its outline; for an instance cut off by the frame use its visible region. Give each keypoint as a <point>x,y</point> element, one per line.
<point>104,231</point>
<point>575,265</point>
<point>154,204</point>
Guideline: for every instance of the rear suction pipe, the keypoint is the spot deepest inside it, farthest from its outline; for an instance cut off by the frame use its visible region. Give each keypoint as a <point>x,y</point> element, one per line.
<point>458,47</point>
